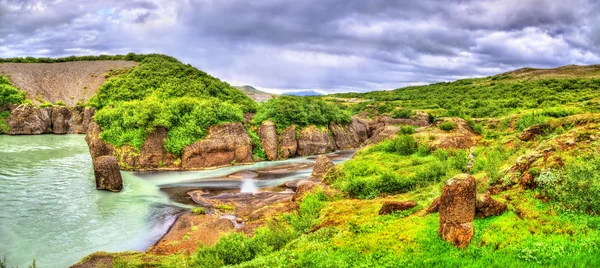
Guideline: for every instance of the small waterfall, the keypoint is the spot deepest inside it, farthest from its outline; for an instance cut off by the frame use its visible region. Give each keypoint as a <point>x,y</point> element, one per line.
<point>248,185</point>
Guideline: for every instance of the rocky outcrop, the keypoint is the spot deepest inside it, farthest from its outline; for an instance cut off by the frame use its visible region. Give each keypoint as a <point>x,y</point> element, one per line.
<point>303,187</point>
<point>361,128</point>
<point>390,207</point>
<point>322,165</point>
<point>383,133</point>
<point>533,131</point>
<point>457,210</point>
<point>288,145</point>
<point>60,120</point>
<point>267,132</point>
<point>224,145</point>
<point>153,153</point>
<point>97,146</point>
<point>487,206</point>
<point>345,136</point>
<point>29,120</point>
<point>315,141</point>
<point>107,173</point>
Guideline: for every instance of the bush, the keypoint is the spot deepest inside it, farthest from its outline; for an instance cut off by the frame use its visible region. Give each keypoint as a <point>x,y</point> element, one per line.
<point>257,149</point>
<point>402,113</point>
<point>285,111</point>
<point>577,187</point>
<point>9,94</point>
<point>528,120</point>
<point>446,126</point>
<point>407,129</point>
<point>187,120</point>
<point>199,211</point>
<point>403,144</point>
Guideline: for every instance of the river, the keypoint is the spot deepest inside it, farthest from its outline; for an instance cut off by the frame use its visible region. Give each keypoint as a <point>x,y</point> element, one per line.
<point>50,210</point>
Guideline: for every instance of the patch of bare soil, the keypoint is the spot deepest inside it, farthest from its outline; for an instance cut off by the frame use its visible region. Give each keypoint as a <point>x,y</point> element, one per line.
<point>69,82</point>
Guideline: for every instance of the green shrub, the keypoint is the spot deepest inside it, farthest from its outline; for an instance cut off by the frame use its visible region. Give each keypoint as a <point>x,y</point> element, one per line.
<point>9,94</point>
<point>3,125</point>
<point>46,104</point>
<point>199,211</point>
<point>285,111</point>
<point>60,103</point>
<point>403,144</point>
<point>309,212</point>
<point>402,113</point>
<point>187,120</point>
<point>407,129</point>
<point>577,187</point>
<point>528,120</point>
<point>446,126</point>
<point>257,149</point>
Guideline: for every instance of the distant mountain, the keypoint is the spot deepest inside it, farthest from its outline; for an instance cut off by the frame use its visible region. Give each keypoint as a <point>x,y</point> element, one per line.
<point>304,93</point>
<point>255,94</point>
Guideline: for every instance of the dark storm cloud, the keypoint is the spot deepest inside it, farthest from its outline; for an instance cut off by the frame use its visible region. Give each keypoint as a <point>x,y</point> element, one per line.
<point>333,45</point>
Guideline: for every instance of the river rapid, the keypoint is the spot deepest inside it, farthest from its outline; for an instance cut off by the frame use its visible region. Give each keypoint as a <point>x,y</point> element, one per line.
<point>50,210</point>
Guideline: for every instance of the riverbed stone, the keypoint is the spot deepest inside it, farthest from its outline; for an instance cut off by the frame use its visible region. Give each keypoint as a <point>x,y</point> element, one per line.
<point>322,166</point>
<point>457,210</point>
<point>106,171</point>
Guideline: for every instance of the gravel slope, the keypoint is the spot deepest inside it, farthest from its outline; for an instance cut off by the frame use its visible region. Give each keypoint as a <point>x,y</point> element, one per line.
<point>65,81</point>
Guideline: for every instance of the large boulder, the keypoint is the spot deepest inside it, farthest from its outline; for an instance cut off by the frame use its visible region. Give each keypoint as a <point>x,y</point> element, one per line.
<point>487,206</point>
<point>288,145</point>
<point>267,132</point>
<point>79,120</point>
<point>61,116</point>
<point>390,207</point>
<point>345,136</point>
<point>29,120</point>
<point>106,171</point>
<point>225,144</point>
<point>315,141</point>
<point>457,210</point>
<point>322,165</point>
<point>97,146</point>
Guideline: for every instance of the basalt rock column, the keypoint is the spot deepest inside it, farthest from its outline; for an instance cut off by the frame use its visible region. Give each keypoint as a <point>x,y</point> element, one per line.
<point>106,171</point>
<point>457,210</point>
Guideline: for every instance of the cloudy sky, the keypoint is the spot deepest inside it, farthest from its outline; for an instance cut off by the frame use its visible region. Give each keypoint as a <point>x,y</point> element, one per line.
<point>325,45</point>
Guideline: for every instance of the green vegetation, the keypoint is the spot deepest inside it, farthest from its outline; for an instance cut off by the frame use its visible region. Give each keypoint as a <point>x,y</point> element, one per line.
<point>577,187</point>
<point>9,94</point>
<point>257,150</point>
<point>236,248</point>
<point>446,126</point>
<point>129,56</point>
<point>285,111</point>
<point>163,92</point>
<point>402,113</point>
<point>396,166</point>
<point>199,211</point>
<point>492,96</point>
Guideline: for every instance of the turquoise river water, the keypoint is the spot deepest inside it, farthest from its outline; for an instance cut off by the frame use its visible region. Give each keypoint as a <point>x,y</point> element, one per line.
<point>50,210</point>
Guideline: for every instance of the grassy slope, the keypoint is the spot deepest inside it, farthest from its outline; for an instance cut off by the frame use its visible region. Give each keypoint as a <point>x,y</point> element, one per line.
<point>555,224</point>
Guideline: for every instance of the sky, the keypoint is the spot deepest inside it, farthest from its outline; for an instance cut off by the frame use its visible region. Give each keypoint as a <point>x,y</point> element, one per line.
<point>323,45</point>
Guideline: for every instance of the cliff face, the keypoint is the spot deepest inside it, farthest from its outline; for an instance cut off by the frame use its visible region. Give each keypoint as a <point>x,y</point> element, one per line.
<point>30,120</point>
<point>225,144</point>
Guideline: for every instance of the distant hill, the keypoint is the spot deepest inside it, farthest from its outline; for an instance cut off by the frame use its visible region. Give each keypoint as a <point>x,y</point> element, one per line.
<point>255,94</point>
<point>304,93</point>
